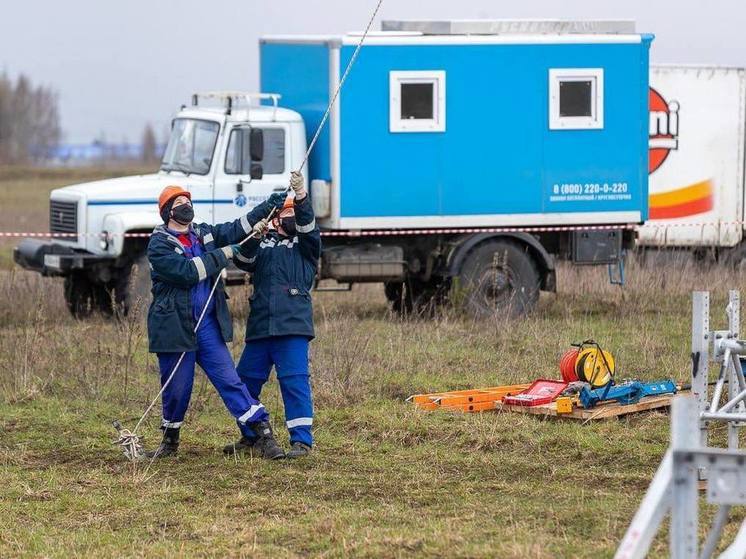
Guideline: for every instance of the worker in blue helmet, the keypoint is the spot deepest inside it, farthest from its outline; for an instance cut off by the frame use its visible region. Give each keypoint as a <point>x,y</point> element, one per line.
<point>283,265</point>
<point>186,260</point>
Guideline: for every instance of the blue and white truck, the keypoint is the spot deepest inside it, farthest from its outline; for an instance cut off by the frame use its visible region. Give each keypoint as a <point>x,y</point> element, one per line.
<point>460,156</point>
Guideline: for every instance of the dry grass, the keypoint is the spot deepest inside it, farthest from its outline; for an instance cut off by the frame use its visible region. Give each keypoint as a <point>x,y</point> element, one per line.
<point>386,480</point>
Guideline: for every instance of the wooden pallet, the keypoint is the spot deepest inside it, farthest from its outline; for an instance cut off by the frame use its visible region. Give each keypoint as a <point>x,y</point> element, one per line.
<point>601,411</point>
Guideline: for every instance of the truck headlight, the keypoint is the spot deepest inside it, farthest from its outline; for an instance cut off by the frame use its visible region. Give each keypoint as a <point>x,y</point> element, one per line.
<point>104,242</point>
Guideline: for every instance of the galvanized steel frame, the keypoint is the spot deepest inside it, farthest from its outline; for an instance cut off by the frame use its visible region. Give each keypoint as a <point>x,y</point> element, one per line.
<point>674,487</point>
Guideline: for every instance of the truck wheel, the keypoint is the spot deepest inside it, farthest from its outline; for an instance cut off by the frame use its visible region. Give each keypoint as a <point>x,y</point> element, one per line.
<point>132,286</point>
<point>499,278</point>
<point>83,297</point>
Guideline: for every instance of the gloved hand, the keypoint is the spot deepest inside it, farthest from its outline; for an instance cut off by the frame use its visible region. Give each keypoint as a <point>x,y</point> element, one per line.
<point>231,251</point>
<point>260,228</point>
<point>296,183</point>
<point>277,200</point>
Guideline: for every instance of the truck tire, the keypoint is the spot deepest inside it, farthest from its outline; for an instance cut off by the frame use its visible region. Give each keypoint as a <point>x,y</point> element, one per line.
<point>83,296</point>
<point>132,286</point>
<point>499,278</point>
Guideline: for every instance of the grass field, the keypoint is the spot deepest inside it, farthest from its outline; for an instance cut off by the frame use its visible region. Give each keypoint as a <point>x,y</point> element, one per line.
<point>385,480</point>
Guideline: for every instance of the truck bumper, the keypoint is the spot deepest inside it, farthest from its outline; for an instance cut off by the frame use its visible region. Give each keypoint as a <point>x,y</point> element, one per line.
<point>51,259</point>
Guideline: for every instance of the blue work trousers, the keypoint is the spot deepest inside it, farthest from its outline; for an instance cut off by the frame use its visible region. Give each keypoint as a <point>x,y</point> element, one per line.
<point>213,356</point>
<point>289,356</point>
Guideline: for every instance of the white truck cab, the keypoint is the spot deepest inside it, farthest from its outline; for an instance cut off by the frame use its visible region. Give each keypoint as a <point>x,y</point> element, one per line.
<point>227,149</point>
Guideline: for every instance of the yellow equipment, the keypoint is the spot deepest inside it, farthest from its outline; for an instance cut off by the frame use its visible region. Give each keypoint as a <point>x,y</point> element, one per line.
<point>595,366</point>
<point>564,404</point>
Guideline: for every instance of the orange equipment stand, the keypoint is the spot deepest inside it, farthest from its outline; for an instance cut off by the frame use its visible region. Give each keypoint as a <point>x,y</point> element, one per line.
<point>466,400</point>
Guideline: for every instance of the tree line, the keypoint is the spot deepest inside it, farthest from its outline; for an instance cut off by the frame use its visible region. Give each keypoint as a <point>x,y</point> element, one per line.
<point>29,120</point>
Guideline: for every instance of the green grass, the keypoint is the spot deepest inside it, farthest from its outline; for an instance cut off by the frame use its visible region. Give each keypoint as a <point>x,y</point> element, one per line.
<point>385,479</point>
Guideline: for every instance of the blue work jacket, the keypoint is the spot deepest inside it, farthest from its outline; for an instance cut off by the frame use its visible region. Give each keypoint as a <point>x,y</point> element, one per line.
<point>176,275</point>
<point>283,272</point>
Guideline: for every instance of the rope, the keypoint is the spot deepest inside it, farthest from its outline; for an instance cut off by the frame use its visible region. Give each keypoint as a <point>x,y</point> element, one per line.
<point>130,440</point>
<point>339,87</point>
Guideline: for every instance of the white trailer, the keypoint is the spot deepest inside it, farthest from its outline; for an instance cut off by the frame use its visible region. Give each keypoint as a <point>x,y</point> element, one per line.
<point>697,132</point>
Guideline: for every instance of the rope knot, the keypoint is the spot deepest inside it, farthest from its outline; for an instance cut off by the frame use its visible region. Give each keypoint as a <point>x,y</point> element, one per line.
<point>129,443</point>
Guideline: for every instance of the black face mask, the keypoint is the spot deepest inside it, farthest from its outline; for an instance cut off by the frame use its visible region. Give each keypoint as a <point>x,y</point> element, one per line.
<point>288,225</point>
<point>183,214</point>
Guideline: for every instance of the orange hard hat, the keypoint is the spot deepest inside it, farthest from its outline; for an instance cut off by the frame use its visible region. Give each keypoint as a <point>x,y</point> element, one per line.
<point>289,203</point>
<point>169,193</point>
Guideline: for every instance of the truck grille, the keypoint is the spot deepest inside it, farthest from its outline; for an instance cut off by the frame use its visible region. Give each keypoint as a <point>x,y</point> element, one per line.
<point>63,217</point>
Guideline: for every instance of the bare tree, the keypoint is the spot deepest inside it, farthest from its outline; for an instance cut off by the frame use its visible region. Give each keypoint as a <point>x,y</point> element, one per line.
<point>149,144</point>
<point>6,95</point>
<point>29,120</point>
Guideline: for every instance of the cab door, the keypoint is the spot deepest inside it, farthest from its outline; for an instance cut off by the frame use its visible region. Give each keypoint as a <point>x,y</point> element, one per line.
<point>255,166</point>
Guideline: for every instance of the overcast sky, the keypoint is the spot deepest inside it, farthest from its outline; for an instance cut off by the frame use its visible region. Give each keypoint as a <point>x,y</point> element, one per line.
<point>119,64</point>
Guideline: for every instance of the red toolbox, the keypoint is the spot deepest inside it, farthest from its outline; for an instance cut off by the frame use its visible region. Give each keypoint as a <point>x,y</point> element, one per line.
<point>542,391</point>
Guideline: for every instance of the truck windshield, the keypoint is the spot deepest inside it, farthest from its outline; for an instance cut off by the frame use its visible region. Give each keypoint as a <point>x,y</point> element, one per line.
<point>191,146</point>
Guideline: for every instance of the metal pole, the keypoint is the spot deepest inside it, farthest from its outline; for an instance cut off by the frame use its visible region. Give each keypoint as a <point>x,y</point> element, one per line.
<point>718,392</point>
<point>723,416</point>
<point>732,403</point>
<point>648,518</point>
<point>733,310</point>
<point>736,549</point>
<point>732,393</point>
<point>713,538</point>
<point>684,542</point>
<point>734,366</point>
<point>700,353</point>
<point>738,370</point>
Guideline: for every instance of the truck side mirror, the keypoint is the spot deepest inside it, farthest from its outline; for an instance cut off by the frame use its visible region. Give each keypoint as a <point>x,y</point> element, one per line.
<point>256,172</point>
<point>256,145</point>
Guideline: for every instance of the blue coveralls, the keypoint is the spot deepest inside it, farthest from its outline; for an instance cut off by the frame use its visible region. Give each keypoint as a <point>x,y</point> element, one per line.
<point>280,323</point>
<point>208,348</point>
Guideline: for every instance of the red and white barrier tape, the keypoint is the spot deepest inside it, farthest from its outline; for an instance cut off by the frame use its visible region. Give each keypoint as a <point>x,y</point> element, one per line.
<point>409,232</point>
<point>365,232</point>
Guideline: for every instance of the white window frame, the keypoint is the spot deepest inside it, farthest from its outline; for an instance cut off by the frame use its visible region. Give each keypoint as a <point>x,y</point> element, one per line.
<point>435,77</point>
<point>593,122</point>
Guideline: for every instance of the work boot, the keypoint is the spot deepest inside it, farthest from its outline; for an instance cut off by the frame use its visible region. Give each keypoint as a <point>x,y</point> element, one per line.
<point>169,445</point>
<point>298,450</point>
<point>265,445</point>
<point>241,445</point>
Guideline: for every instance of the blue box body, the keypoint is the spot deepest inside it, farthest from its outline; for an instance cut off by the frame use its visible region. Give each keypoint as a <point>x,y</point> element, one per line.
<point>497,163</point>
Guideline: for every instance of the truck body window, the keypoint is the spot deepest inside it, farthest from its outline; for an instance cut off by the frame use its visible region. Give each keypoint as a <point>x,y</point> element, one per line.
<point>238,156</point>
<point>576,98</point>
<point>417,101</point>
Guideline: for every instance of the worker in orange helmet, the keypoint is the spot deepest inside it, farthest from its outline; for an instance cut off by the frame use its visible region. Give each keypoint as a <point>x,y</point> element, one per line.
<point>186,259</point>
<point>283,268</point>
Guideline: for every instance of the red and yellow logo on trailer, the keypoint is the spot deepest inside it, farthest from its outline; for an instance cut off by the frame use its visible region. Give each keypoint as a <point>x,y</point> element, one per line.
<point>664,138</point>
<point>664,129</point>
<point>682,202</point>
